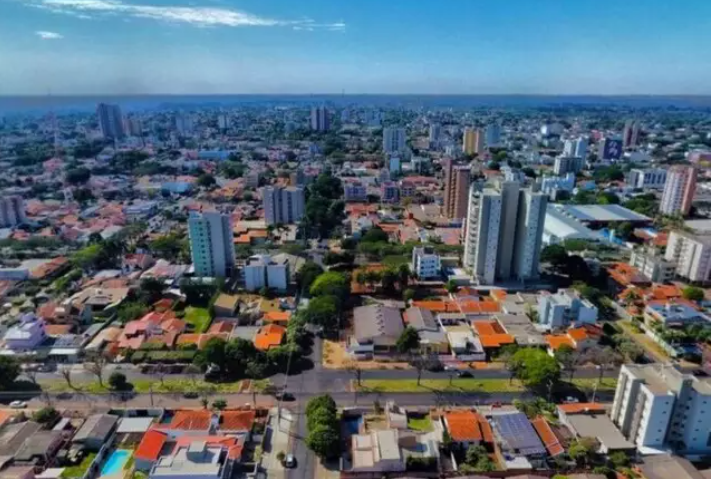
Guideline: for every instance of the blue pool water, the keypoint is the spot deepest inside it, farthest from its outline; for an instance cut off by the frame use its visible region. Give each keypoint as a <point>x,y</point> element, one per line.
<point>116,462</point>
<point>352,424</point>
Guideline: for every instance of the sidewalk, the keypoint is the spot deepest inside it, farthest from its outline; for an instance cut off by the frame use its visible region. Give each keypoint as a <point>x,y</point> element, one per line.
<point>279,441</point>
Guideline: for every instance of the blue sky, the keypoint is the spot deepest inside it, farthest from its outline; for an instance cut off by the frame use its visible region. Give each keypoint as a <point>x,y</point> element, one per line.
<point>360,46</point>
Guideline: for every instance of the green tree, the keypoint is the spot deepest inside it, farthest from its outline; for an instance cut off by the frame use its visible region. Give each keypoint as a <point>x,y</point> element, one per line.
<point>130,310</point>
<point>408,340</point>
<point>47,416</point>
<point>582,450</point>
<point>324,441</point>
<point>619,459</point>
<point>318,402</point>
<point>322,311</point>
<point>77,176</point>
<point>534,367</point>
<point>625,230</point>
<point>220,404</point>
<point>451,286</point>
<point>214,351</point>
<point>567,358</point>
<point>554,254</point>
<point>331,283</point>
<point>408,294</point>
<point>206,180</point>
<point>693,294</point>
<point>118,381</point>
<point>375,235</point>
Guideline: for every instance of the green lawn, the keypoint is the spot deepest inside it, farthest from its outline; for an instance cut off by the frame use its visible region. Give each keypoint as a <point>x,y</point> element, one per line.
<point>466,385</point>
<point>420,423</point>
<point>430,385</point>
<point>395,261</point>
<point>143,386</point>
<point>198,317</point>
<point>76,472</point>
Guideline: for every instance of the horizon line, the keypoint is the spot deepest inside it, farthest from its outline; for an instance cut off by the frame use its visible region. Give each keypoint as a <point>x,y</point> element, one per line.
<point>628,95</point>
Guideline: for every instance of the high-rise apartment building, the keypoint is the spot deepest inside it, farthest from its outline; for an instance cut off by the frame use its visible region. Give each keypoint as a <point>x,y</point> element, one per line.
<point>568,164</point>
<point>473,141</point>
<point>12,211</point>
<point>283,205</point>
<point>184,124</point>
<point>425,263</point>
<point>679,190</point>
<point>649,178</point>
<point>435,132</point>
<point>457,187</point>
<point>656,405</point>
<point>319,118</point>
<point>690,253</point>
<point>211,246</point>
<point>110,121</point>
<point>393,140</point>
<point>577,147</point>
<point>504,232</point>
<point>493,135</point>
<point>631,132</point>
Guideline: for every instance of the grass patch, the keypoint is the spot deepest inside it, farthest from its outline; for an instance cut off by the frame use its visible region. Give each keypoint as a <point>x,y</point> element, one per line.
<point>395,260</point>
<point>430,385</point>
<point>606,383</point>
<point>143,386</point>
<point>420,423</point>
<point>78,471</point>
<point>198,317</point>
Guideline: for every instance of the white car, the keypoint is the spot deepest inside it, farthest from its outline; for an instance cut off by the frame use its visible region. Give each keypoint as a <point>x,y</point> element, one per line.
<point>290,461</point>
<point>18,404</point>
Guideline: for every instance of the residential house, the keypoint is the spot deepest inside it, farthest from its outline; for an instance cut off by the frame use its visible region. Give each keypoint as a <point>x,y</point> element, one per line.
<point>39,449</point>
<point>468,428</point>
<point>432,337</point>
<point>377,451</point>
<point>492,335</point>
<point>464,345</point>
<point>590,420</point>
<point>96,431</point>
<point>202,457</point>
<point>548,437</point>
<point>376,330</point>
<point>226,306</point>
<point>516,435</point>
<point>673,313</point>
<point>153,327</point>
<point>270,336</point>
<point>27,335</point>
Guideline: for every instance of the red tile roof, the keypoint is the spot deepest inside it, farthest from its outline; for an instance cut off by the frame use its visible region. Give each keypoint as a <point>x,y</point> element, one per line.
<point>151,444</point>
<point>191,420</point>
<point>576,408</point>
<point>547,436</point>
<point>463,426</point>
<point>237,420</point>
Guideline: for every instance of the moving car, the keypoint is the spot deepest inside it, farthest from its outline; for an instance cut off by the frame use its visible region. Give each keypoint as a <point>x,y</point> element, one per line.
<point>464,374</point>
<point>18,404</point>
<point>290,461</point>
<point>284,397</point>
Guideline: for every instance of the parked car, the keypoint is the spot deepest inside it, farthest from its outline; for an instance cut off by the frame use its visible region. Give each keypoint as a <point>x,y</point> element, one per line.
<point>191,395</point>
<point>290,461</point>
<point>18,404</point>
<point>284,397</point>
<point>464,374</point>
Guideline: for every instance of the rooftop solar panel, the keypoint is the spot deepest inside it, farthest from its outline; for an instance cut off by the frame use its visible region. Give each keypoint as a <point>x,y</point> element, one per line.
<point>519,434</point>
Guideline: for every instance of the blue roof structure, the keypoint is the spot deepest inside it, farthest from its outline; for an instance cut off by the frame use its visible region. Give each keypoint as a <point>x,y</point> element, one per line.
<point>518,433</point>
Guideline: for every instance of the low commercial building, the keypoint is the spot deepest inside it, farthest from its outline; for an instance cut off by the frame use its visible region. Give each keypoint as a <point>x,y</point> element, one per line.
<point>376,330</point>
<point>590,420</point>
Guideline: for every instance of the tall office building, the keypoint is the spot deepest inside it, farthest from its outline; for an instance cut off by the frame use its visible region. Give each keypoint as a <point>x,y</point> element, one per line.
<point>504,232</point>
<point>435,132</point>
<point>211,246</point>
<point>393,140</point>
<point>319,118</point>
<point>631,132</point>
<point>473,141</point>
<point>493,135</point>
<point>184,124</point>
<point>283,205</point>
<point>656,405</point>
<point>110,121</point>
<point>577,147</point>
<point>12,211</point>
<point>457,186</point>
<point>679,190</point>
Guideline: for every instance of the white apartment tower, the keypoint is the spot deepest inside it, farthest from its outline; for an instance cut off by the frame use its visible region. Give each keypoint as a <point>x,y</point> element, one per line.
<point>503,233</point>
<point>425,263</point>
<point>211,246</point>
<point>657,405</point>
<point>679,190</point>
<point>12,211</point>
<point>283,205</point>
<point>690,255</point>
<point>393,140</point>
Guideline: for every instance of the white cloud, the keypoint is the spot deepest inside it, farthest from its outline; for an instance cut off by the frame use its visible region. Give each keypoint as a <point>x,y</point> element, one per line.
<point>45,35</point>
<point>198,16</point>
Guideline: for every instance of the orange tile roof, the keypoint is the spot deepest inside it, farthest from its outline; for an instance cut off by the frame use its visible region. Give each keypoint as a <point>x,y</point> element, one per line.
<point>191,420</point>
<point>269,336</point>
<point>547,436</point>
<point>485,428</point>
<point>188,338</point>
<point>438,306</point>
<point>556,341</point>
<point>486,328</point>
<point>237,420</point>
<point>578,334</point>
<point>277,316</point>
<point>58,329</point>
<point>498,294</point>
<point>221,327</point>
<point>496,340</point>
<point>575,408</point>
<point>463,426</point>
<point>625,274</point>
<point>151,444</point>
<point>479,307</point>
<point>664,291</point>
<point>204,338</point>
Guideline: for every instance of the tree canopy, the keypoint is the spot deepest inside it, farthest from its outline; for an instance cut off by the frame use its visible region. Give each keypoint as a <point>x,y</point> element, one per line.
<point>534,367</point>
<point>408,340</point>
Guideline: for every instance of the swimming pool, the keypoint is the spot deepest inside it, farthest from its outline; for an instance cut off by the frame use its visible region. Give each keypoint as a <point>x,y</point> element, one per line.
<point>116,462</point>
<point>352,424</point>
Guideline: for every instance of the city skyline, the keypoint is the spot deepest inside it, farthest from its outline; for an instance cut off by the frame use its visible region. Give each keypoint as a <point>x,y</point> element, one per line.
<point>227,47</point>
